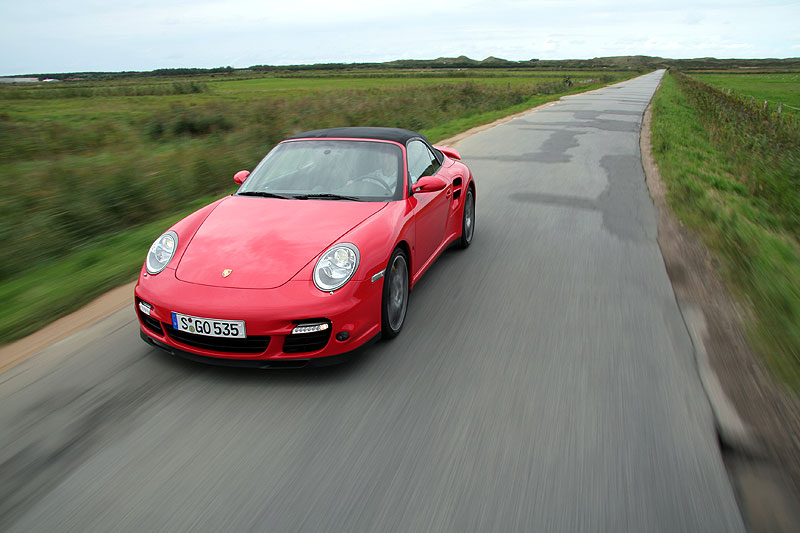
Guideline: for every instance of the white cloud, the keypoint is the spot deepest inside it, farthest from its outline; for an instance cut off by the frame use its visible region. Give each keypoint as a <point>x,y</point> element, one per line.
<point>53,36</point>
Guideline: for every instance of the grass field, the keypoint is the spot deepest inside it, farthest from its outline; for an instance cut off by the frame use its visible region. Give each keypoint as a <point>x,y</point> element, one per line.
<point>732,173</point>
<point>775,87</point>
<point>93,172</point>
<point>381,79</point>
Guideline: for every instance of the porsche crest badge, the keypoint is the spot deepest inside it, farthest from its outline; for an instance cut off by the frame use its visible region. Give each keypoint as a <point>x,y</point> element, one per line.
<point>226,272</point>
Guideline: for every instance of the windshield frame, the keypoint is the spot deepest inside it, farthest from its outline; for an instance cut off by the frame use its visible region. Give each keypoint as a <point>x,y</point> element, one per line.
<point>250,184</point>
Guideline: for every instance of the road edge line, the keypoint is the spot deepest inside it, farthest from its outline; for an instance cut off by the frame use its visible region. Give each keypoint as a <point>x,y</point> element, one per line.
<point>729,425</point>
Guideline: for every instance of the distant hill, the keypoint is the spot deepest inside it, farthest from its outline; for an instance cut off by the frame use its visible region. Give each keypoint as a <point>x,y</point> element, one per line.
<point>638,63</point>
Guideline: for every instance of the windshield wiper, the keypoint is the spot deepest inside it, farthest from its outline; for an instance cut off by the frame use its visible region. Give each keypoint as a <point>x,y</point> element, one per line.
<point>326,196</point>
<point>265,194</point>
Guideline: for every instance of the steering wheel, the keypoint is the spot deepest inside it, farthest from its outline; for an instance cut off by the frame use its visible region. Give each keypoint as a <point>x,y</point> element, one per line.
<point>370,179</point>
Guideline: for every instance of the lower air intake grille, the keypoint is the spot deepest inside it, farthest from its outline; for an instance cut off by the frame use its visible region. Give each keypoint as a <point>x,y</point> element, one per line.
<point>251,344</point>
<point>150,323</point>
<point>306,342</point>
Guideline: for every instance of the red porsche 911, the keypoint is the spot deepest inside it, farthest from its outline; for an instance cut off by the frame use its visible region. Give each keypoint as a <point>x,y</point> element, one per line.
<point>313,256</point>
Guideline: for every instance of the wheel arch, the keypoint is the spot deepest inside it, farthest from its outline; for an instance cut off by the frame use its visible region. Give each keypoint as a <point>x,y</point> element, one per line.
<point>403,245</point>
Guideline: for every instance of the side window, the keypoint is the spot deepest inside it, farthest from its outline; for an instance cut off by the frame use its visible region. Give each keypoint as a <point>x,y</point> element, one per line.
<point>421,161</point>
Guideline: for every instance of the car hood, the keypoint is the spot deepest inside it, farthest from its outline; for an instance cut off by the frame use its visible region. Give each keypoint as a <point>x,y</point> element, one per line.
<point>264,242</point>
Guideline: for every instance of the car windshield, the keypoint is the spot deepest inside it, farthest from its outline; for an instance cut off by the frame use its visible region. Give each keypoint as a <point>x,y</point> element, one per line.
<point>329,169</point>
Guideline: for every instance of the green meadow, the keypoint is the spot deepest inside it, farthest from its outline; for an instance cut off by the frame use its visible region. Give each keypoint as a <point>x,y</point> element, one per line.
<point>773,86</point>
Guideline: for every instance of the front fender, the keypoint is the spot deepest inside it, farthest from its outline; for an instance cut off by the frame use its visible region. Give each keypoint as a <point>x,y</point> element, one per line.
<point>375,238</point>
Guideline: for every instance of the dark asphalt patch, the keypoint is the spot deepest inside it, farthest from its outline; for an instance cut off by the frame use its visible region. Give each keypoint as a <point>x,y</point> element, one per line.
<point>615,202</point>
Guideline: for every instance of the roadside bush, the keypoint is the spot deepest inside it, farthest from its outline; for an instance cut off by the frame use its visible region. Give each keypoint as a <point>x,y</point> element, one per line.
<point>189,122</point>
<point>765,148</point>
<point>51,91</point>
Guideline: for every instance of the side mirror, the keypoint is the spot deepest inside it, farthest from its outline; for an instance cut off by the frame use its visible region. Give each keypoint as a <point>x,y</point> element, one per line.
<point>240,176</point>
<point>429,184</point>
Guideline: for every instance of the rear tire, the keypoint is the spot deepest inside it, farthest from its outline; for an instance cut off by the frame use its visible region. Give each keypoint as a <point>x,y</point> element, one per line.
<point>395,295</point>
<point>468,220</point>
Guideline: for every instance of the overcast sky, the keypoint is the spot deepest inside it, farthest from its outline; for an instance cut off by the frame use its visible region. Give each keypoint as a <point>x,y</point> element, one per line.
<point>39,36</point>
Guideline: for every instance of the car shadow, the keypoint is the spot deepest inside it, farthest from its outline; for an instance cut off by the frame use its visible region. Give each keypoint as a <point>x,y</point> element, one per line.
<point>353,364</point>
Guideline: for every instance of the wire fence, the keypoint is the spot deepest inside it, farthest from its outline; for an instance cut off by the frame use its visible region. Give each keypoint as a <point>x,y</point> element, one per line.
<point>778,106</point>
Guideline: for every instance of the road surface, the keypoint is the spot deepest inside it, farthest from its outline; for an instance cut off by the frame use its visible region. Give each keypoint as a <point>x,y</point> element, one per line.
<point>544,382</point>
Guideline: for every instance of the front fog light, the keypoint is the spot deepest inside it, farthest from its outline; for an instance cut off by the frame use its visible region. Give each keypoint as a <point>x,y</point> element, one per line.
<point>145,307</point>
<point>309,328</point>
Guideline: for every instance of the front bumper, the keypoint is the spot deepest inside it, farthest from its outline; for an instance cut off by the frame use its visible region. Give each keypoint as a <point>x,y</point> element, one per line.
<point>273,363</point>
<point>270,315</point>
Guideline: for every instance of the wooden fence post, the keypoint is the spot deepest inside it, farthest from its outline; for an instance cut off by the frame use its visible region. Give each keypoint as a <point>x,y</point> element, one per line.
<point>780,107</point>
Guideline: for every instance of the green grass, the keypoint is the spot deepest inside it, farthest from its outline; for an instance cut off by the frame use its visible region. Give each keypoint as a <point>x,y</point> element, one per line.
<point>775,87</point>
<point>279,86</point>
<point>38,296</point>
<point>731,174</point>
<point>89,182</point>
<point>377,80</point>
<point>62,91</point>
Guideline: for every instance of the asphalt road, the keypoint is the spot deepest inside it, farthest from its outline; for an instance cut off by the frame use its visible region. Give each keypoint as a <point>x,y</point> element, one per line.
<point>544,382</point>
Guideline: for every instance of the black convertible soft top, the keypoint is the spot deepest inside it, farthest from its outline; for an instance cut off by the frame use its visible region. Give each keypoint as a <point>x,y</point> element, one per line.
<point>386,134</point>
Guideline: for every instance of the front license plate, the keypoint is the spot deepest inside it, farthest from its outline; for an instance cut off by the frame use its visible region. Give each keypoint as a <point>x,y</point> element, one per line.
<point>209,326</point>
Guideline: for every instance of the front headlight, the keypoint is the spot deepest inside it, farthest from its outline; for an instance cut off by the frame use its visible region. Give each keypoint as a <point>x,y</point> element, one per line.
<point>161,252</point>
<point>336,266</point>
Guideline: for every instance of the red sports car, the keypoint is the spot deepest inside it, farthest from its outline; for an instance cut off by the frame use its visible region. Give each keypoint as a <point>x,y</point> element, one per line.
<point>313,256</point>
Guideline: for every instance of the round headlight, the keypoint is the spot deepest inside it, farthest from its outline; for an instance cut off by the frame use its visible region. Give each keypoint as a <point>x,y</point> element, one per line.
<point>336,266</point>
<point>161,252</point>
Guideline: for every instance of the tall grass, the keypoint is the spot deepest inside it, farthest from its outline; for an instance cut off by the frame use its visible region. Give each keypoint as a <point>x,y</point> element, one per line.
<point>732,173</point>
<point>775,87</point>
<point>55,91</point>
<point>764,149</point>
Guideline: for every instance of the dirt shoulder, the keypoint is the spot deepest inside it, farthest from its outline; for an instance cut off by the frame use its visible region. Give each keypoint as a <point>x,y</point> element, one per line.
<point>16,352</point>
<point>765,463</point>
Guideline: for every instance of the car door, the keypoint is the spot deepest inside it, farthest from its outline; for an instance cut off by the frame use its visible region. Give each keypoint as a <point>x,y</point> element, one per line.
<point>430,208</point>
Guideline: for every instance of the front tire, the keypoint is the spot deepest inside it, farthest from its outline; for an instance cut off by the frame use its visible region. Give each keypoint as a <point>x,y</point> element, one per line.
<point>468,220</point>
<point>395,295</point>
